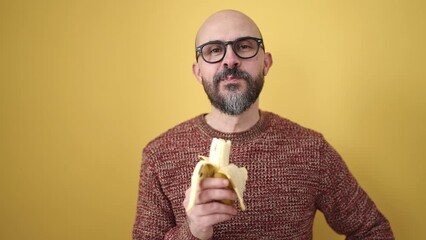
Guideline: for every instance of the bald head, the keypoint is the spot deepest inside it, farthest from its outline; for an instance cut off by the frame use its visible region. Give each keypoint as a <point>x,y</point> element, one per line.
<point>227,25</point>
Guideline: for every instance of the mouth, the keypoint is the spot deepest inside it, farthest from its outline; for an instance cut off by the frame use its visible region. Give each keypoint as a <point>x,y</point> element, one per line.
<point>231,78</point>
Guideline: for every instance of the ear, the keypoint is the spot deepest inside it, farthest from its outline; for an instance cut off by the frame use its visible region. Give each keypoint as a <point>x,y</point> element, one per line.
<point>267,63</point>
<point>197,72</point>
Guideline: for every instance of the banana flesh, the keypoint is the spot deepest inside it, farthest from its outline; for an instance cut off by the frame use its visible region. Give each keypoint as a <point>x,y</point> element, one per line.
<point>217,165</point>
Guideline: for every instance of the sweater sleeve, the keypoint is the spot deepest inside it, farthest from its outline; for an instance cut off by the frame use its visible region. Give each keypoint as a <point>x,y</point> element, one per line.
<point>154,215</point>
<point>346,206</point>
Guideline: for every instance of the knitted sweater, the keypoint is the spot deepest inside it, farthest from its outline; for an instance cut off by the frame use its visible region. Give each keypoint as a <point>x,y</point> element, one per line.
<point>292,172</point>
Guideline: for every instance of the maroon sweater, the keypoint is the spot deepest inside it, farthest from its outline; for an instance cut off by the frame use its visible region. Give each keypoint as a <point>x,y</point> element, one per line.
<point>292,172</point>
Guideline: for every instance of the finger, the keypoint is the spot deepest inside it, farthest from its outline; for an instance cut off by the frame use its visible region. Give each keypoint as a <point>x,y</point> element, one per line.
<point>186,200</point>
<point>210,220</point>
<point>187,192</point>
<point>213,208</point>
<point>210,195</point>
<point>214,183</point>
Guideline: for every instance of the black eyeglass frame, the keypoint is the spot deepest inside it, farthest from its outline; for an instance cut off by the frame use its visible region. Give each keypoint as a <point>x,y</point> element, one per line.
<point>199,49</point>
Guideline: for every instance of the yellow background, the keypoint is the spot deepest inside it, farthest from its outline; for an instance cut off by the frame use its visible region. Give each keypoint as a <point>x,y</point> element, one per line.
<point>86,84</point>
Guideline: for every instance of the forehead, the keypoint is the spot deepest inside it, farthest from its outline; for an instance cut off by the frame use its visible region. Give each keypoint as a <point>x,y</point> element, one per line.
<point>227,26</point>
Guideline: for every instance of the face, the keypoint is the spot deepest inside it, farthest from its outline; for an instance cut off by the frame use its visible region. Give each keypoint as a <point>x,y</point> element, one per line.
<point>233,84</point>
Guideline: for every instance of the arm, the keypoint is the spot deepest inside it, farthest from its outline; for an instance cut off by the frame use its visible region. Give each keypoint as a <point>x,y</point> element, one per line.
<point>346,206</point>
<point>154,216</point>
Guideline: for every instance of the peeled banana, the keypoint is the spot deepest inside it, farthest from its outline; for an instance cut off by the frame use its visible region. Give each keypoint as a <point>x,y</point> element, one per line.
<point>217,165</point>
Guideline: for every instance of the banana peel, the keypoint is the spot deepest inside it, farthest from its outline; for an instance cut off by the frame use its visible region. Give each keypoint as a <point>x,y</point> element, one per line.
<point>217,166</point>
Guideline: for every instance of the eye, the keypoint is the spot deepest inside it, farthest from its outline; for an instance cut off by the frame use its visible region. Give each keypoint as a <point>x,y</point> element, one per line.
<point>212,49</point>
<point>216,50</point>
<point>246,45</point>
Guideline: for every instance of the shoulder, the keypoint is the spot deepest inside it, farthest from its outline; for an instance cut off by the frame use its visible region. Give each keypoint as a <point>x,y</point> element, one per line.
<point>175,136</point>
<point>175,150</point>
<point>290,129</point>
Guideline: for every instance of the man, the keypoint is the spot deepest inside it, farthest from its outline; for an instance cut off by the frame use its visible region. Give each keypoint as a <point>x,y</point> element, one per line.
<point>292,171</point>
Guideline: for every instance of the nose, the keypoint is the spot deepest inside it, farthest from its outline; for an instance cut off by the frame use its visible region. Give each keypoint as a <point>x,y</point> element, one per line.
<point>230,60</point>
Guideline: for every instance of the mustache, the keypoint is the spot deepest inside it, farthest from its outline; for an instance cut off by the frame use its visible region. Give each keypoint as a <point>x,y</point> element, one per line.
<point>234,72</point>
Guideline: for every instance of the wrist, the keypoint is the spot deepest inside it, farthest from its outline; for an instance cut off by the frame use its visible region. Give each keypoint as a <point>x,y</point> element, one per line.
<point>197,233</point>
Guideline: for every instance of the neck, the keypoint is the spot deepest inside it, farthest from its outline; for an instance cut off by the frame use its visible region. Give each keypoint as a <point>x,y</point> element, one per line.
<point>230,124</point>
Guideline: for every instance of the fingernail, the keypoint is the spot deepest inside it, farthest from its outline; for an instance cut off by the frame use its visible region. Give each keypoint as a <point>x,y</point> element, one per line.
<point>225,182</point>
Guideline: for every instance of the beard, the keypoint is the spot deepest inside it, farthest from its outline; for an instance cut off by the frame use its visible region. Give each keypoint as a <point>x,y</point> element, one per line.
<point>235,101</point>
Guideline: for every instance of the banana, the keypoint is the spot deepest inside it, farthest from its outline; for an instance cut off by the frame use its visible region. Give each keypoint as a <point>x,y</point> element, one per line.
<point>217,166</point>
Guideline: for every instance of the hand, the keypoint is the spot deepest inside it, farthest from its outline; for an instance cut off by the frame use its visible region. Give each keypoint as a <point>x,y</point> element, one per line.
<point>208,211</point>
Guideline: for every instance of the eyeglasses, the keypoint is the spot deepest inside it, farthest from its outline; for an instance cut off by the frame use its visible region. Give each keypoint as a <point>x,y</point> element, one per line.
<point>215,51</point>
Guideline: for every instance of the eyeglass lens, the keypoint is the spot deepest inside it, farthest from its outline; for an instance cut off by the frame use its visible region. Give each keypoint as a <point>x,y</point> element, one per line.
<point>243,48</point>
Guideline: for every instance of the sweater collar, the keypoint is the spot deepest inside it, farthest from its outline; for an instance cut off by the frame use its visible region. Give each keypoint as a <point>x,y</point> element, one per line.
<point>258,128</point>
